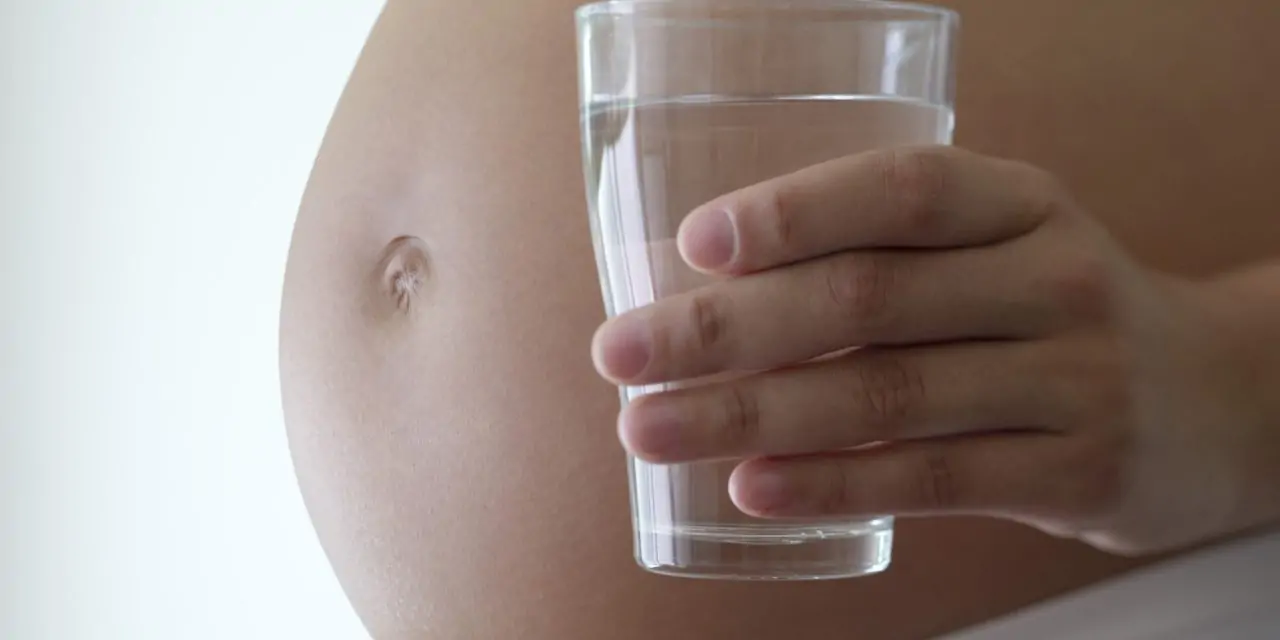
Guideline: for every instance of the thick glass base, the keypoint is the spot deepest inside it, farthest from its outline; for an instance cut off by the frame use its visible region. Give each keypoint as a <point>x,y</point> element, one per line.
<point>769,552</point>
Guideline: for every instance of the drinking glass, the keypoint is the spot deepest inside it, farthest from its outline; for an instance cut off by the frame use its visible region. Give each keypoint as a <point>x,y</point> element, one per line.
<point>686,100</point>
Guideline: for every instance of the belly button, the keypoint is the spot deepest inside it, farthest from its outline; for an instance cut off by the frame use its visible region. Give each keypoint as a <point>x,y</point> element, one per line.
<point>403,272</point>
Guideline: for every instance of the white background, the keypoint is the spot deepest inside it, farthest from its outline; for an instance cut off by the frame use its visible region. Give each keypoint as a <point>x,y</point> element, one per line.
<point>152,155</point>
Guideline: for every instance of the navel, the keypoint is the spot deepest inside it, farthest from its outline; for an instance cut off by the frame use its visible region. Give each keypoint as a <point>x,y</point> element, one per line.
<point>403,277</point>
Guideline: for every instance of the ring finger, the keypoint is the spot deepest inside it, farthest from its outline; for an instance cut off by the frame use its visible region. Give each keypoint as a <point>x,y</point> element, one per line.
<point>861,398</point>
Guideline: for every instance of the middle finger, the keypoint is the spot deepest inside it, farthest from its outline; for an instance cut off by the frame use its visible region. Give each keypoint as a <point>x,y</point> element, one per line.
<point>797,313</point>
<point>877,395</point>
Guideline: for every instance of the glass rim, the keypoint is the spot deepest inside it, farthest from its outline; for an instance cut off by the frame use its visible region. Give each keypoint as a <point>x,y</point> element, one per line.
<point>911,11</point>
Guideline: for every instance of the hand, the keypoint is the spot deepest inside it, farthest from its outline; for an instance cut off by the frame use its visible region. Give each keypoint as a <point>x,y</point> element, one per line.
<point>1008,359</point>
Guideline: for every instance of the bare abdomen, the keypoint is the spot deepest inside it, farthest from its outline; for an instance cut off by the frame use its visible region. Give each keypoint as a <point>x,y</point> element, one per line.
<point>455,448</point>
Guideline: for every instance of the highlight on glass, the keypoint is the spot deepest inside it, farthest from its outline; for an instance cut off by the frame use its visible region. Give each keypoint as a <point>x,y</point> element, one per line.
<point>683,101</point>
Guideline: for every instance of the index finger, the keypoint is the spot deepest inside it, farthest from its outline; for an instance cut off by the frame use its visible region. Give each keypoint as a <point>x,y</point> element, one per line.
<point>922,197</point>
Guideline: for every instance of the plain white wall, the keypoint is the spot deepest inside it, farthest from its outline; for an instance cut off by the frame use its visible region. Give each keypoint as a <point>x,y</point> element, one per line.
<point>152,155</point>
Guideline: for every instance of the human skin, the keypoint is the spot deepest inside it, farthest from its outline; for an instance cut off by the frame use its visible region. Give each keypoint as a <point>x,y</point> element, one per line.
<point>1012,361</point>
<point>455,447</point>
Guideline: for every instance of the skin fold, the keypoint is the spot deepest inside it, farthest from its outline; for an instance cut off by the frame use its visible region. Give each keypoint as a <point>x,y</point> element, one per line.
<point>455,444</point>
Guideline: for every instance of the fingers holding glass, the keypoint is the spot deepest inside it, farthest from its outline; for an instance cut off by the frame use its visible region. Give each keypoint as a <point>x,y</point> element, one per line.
<point>864,397</point>
<point>925,197</point>
<point>841,301</point>
<point>1032,477</point>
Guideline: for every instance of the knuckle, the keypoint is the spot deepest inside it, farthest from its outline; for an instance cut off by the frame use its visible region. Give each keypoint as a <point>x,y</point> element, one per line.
<point>861,286</point>
<point>1083,286</point>
<point>741,417</point>
<point>915,182</point>
<point>1113,396</point>
<point>783,217</point>
<point>935,482</point>
<point>1093,377</point>
<point>1045,195</point>
<point>1046,182</point>
<point>889,391</point>
<point>1098,472</point>
<point>709,320</point>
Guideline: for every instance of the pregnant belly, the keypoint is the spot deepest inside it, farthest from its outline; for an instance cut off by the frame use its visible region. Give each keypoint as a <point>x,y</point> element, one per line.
<point>454,447</point>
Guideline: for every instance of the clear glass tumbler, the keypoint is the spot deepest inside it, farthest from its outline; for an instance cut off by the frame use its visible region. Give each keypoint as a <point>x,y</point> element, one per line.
<point>685,100</point>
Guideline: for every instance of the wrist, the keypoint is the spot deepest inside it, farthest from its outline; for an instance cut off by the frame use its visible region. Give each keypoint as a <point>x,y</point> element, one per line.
<point>1244,312</point>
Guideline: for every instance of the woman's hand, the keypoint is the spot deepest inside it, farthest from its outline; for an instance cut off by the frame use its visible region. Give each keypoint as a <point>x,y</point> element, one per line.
<point>1012,361</point>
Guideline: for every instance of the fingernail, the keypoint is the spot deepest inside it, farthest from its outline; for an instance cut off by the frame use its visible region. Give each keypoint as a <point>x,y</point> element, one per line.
<point>709,239</point>
<point>624,348</point>
<point>655,432</point>
<point>767,491</point>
